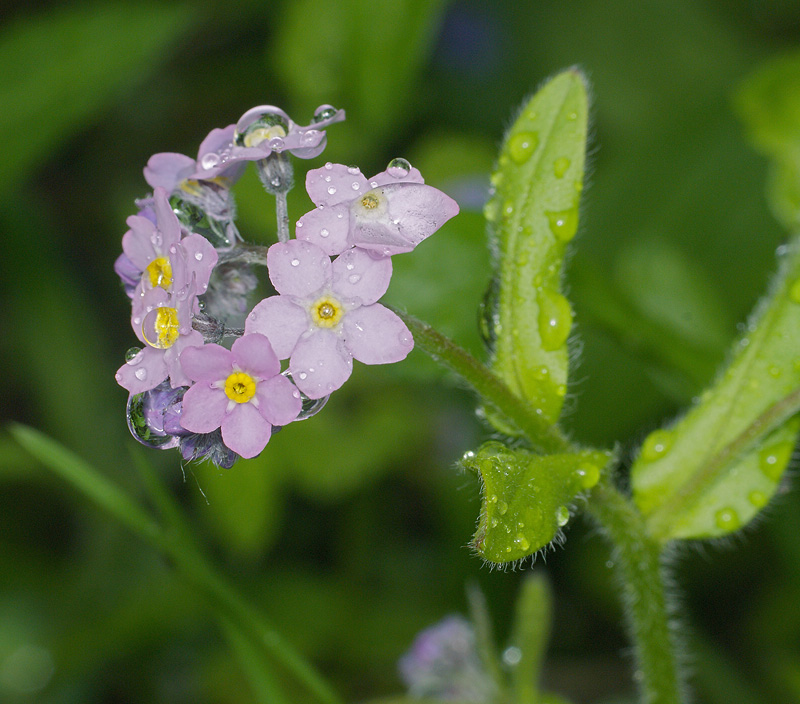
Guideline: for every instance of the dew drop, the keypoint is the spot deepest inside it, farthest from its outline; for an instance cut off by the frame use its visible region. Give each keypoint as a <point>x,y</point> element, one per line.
<point>353,170</point>
<point>563,223</point>
<point>562,516</point>
<point>373,184</point>
<point>295,262</point>
<point>331,190</point>
<point>354,278</point>
<point>302,375</point>
<point>560,166</point>
<point>398,168</point>
<point>209,161</point>
<point>355,185</point>
<point>493,523</point>
<point>493,497</point>
<point>323,112</point>
<point>502,508</point>
<point>276,144</point>
<point>141,373</point>
<point>589,475</point>
<point>772,460</point>
<point>757,498</point>
<point>774,371</point>
<point>329,166</point>
<point>522,145</point>
<point>555,319</point>
<point>727,519</point>
<point>131,354</point>
<point>656,445</point>
<point>794,292</point>
<point>350,266</point>
<point>513,655</point>
<point>324,232</point>
<point>198,256</point>
<point>299,223</point>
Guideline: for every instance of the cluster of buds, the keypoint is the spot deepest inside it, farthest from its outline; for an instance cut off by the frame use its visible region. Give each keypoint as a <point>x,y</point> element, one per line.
<point>215,377</point>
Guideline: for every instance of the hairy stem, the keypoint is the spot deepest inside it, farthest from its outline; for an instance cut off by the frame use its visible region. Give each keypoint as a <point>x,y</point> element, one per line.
<point>637,557</point>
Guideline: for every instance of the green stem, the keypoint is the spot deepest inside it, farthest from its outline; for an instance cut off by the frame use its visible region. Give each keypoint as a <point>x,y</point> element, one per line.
<point>187,559</point>
<point>487,385</point>
<point>638,559</point>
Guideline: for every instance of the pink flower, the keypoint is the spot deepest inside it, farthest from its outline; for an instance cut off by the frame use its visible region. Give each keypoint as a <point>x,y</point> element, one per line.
<point>241,391</point>
<point>327,314</point>
<point>391,213</point>
<point>260,132</point>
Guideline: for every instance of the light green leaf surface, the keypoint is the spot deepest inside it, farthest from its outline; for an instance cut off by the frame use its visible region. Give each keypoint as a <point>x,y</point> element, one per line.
<point>715,469</point>
<point>62,68</point>
<point>532,215</point>
<point>526,498</point>
<point>769,103</point>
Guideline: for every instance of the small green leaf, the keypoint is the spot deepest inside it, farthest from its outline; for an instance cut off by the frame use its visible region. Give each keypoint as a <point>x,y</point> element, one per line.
<point>532,216</point>
<point>769,103</point>
<point>714,470</point>
<point>526,498</point>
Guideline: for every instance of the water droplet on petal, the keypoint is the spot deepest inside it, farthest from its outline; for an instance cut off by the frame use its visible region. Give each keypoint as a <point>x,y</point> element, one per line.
<point>302,375</point>
<point>355,185</point>
<point>398,168</point>
<point>198,256</point>
<point>132,354</point>
<point>328,166</point>
<point>353,170</point>
<point>295,262</point>
<point>324,232</point>
<point>323,112</point>
<point>350,266</point>
<point>209,161</point>
<point>276,144</point>
<point>141,373</point>
<point>354,278</point>
<point>331,190</point>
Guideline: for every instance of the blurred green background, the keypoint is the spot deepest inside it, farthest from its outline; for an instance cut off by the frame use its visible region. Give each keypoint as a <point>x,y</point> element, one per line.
<point>350,530</point>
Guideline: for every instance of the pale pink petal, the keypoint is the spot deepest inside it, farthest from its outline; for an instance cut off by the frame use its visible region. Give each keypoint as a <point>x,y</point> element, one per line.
<point>359,277</point>
<point>203,408</point>
<point>211,156</point>
<point>172,358</point>
<point>281,321</point>
<point>137,243</point>
<point>169,228</point>
<point>306,144</point>
<point>320,363</point>
<point>253,354</point>
<point>208,363</point>
<point>327,228</point>
<point>201,258</point>
<point>144,372</point>
<point>375,335</point>
<point>335,183</point>
<point>167,169</point>
<point>414,212</point>
<point>245,431</point>
<point>278,400</point>
<point>298,268</point>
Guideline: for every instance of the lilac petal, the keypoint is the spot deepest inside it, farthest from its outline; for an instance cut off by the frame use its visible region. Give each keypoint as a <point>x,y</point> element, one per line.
<point>395,176</point>
<point>359,277</point>
<point>137,243</point>
<point>281,321</point>
<point>414,212</point>
<point>203,408</point>
<point>320,363</point>
<point>327,228</point>
<point>172,358</point>
<point>253,354</point>
<point>128,272</point>
<point>298,268</point>
<point>211,160</point>
<point>306,144</point>
<point>376,335</point>
<point>167,169</point>
<point>144,372</point>
<point>168,224</point>
<point>208,363</point>
<point>201,258</point>
<point>335,183</point>
<point>245,431</point>
<point>278,400</point>
<point>143,302</point>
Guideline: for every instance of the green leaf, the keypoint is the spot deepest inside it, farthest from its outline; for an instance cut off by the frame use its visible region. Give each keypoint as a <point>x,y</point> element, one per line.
<point>526,498</point>
<point>533,215</point>
<point>715,469</point>
<point>68,65</point>
<point>769,103</point>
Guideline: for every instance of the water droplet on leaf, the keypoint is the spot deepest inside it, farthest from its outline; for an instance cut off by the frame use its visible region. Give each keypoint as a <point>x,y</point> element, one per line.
<point>773,459</point>
<point>555,319</point>
<point>727,519</point>
<point>563,223</point>
<point>522,145</point>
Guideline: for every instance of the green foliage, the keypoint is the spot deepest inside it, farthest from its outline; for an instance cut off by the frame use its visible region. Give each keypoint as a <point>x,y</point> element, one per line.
<point>100,48</point>
<point>526,498</point>
<point>715,469</point>
<point>532,215</point>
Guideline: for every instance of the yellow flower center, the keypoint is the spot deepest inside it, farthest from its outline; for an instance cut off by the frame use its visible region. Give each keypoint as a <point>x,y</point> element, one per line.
<point>370,201</point>
<point>160,273</point>
<point>240,387</point>
<point>193,187</point>
<point>162,330</point>
<point>326,312</point>
<point>261,134</point>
